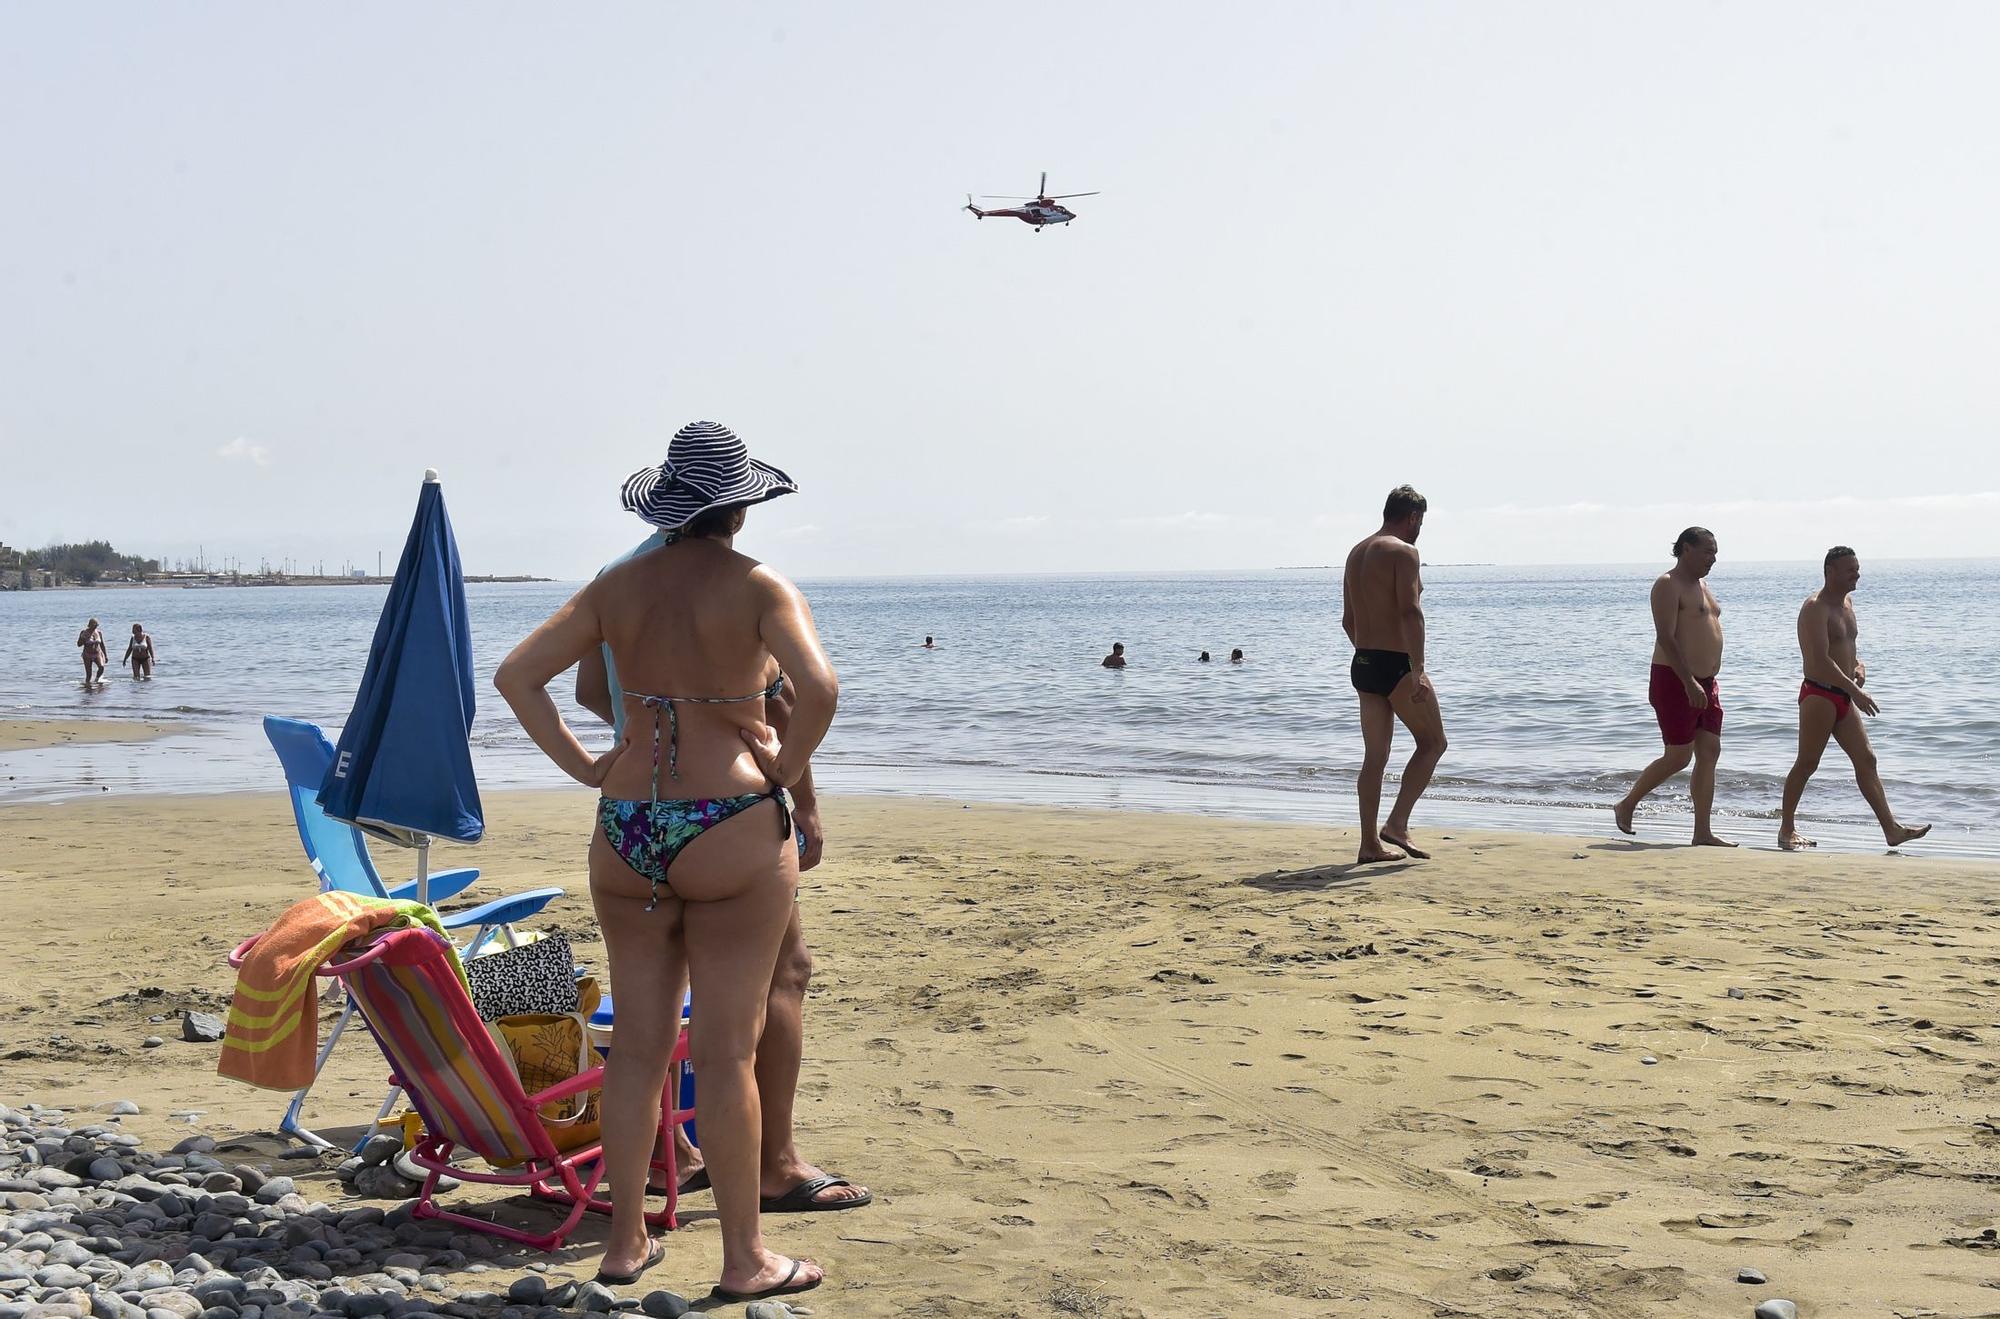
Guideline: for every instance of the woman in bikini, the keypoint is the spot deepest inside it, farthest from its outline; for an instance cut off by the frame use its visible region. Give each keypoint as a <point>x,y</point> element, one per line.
<point>95,653</point>
<point>139,653</point>
<point>692,867</point>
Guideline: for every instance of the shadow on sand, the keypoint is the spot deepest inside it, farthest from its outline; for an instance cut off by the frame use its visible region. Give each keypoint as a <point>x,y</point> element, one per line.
<point>1318,879</point>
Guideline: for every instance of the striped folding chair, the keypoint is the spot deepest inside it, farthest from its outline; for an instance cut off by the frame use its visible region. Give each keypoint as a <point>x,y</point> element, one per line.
<point>406,987</point>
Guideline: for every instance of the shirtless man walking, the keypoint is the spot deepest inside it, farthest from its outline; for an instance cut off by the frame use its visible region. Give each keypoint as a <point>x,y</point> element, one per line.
<point>1687,654</point>
<point>1383,615</point>
<point>1828,698</point>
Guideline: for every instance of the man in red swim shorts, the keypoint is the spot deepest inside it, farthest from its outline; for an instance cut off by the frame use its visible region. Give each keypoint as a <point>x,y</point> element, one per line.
<point>1673,706</point>
<point>1687,652</point>
<point>1828,697</point>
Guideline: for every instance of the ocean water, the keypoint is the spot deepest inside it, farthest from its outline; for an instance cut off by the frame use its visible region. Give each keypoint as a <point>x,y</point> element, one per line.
<point>1541,674</point>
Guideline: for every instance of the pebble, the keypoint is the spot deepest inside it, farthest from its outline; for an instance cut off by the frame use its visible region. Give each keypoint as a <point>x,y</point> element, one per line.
<point>149,1277</point>
<point>151,1042</point>
<point>664,1305</point>
<point>123,1108</point>
<point>1777,1309</point>
<point>273,1190</point>
<point>1649,1060</point>
<point>383,1184</point>
<point>201,1028</point>
<point>97,1227</point>
<point>379,1149</point>
<point>770,1310</point>
<point>1736,993</point>
<point>1755,1277</point>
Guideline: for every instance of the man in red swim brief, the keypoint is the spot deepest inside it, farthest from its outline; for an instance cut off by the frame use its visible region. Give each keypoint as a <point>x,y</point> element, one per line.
<point>1829,645</point>
<point>1843,704</point>
<point>1679,720</point>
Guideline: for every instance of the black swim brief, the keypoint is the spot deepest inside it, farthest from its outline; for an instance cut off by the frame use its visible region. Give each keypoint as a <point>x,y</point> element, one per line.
<point>1377,672</point>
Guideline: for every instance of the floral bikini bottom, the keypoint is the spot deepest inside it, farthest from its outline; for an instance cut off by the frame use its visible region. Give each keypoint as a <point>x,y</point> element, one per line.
<point>648,835</point>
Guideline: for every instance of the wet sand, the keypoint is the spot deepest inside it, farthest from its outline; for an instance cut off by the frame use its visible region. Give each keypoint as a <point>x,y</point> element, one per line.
<point>1126,1064</point>
<point>31,734</point>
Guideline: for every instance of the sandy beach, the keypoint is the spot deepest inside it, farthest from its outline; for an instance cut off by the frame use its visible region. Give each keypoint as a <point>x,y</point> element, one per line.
<point>28,734</point>
<point>1130,1064</point>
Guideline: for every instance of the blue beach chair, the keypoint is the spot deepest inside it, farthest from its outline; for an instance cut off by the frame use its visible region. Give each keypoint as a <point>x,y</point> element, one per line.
<point>339,856</point>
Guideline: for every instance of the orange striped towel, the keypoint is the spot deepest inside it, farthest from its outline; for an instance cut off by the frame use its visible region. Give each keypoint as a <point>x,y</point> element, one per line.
<point>272,1032</point>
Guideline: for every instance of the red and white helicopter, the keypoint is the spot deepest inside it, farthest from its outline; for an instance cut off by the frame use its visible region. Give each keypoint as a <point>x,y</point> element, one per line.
<point>1040,210</point>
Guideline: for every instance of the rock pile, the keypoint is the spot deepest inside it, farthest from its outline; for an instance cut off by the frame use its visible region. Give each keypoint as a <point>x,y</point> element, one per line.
<point>92,1225</point>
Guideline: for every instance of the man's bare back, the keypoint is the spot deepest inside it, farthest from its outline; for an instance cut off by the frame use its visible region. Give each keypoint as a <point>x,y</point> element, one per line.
<point>1382,571</point>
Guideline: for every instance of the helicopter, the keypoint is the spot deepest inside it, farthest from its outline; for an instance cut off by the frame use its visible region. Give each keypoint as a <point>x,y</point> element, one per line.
<point>1040,210</point>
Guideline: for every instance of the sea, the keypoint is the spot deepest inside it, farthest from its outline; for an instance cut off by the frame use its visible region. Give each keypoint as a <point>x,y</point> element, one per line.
<point>1541,675</point>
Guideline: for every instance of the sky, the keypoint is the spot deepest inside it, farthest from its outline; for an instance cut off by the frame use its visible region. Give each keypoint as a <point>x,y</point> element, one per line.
<point>1584,273</point>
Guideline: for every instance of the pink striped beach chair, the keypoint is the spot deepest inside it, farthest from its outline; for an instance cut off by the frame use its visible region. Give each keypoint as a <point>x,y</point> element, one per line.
<point>407,989</point>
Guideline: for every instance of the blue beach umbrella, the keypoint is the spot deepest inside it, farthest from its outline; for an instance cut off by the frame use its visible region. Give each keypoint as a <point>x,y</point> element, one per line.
<point>403,768</point>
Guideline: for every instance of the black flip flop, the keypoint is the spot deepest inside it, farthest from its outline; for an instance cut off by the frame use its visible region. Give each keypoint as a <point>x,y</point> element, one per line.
<point>656,1251</point>
<point>801,1198</point>
<point>697,1181</point>
<point>785,1288</point>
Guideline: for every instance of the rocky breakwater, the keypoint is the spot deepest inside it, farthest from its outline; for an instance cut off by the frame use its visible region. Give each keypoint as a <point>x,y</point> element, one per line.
<point>93,1225</point>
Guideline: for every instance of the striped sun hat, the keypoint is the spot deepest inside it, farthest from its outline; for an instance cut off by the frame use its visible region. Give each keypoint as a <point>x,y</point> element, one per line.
<point>706,467</point>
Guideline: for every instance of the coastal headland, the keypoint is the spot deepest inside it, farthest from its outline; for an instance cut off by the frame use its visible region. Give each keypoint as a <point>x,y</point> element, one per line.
<point>1124,1064</point>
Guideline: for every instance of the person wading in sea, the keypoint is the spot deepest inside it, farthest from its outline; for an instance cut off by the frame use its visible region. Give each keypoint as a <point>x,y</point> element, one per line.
<point>139,653</point>
<point>1828,698</point>
<point>1383,615</point>
<point>95,653</point>
<point>1687,654</point>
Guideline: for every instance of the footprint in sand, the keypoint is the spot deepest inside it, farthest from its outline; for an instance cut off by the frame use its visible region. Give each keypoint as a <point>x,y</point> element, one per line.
<point>1832,1231</point>
<point>1702,1225</point>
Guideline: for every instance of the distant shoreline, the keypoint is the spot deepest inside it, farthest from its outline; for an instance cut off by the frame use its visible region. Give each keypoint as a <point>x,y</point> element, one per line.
<point>213,584</point>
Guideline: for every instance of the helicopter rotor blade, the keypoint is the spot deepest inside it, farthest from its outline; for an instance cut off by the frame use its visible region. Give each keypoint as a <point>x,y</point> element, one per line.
<point>1043,187</point>
<point>1061,195</point>
<point>997,197</point>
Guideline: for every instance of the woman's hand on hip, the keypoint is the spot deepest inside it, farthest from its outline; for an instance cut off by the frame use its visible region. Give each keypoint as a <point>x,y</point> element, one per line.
<point>600,767</point>
<point>765,749</point>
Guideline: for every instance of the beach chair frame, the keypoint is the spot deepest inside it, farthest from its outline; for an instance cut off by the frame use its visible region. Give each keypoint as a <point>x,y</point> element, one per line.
<point>408,993</point>
<point>338,854</point>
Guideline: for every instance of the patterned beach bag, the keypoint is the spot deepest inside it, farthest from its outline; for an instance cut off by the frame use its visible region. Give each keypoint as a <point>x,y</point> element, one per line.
<point>538,975</point>
<point>547,1048</point>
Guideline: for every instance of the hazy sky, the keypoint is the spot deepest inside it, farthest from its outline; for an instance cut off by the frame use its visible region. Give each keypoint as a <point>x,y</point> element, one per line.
<point>1584,273</point>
